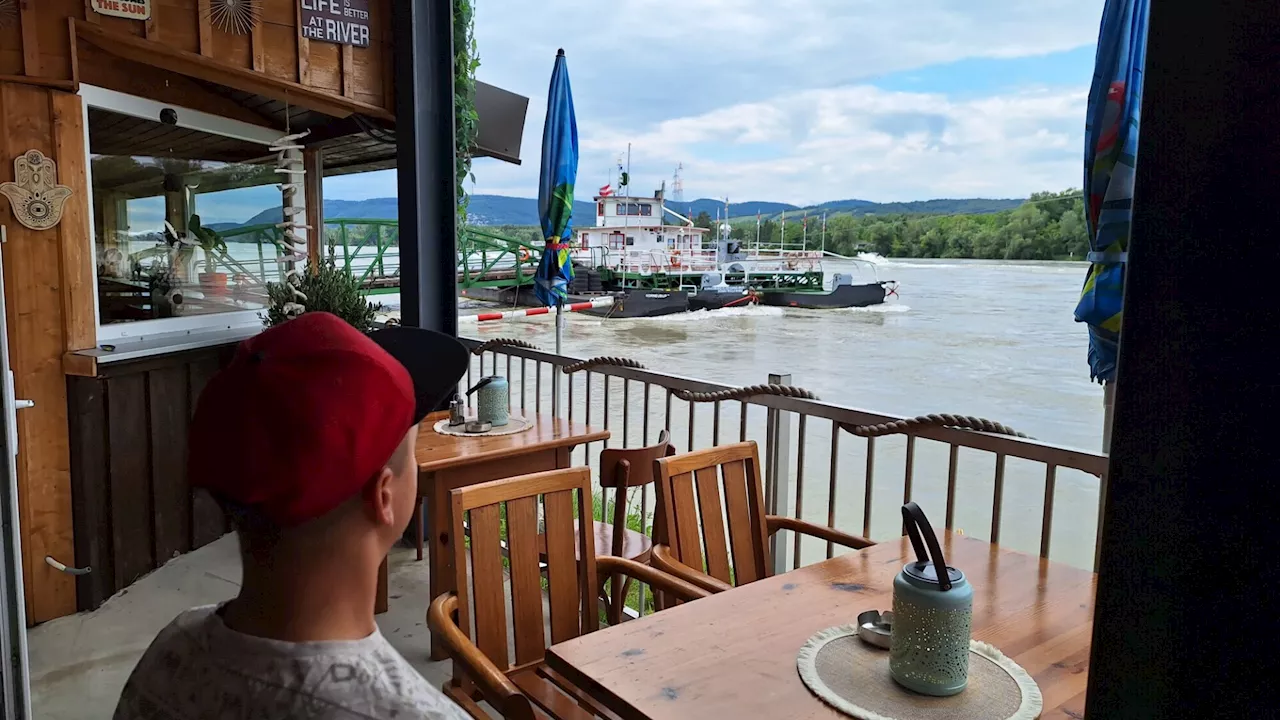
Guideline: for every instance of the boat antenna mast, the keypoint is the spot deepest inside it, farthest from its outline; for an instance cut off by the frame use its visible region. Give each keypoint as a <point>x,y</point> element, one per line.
<point>677,184</point>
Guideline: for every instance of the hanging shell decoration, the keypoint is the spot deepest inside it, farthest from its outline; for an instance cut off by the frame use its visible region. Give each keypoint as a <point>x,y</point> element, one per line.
<point>37,198</point>
<point>235,17</point>
<point>289,164</point>
<point>8,13</point>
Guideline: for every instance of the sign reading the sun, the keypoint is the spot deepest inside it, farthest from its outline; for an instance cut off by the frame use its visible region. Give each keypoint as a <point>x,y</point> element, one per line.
<point>132,9</point>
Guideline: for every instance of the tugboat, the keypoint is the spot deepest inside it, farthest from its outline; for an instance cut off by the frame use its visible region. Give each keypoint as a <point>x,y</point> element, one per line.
<point>653,268</point>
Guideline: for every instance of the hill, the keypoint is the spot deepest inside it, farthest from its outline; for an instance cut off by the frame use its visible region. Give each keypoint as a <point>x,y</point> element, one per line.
<point>494,210</point>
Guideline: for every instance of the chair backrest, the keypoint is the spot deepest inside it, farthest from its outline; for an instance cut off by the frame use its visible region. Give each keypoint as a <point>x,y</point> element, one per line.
<point>632,467</point>
<point>571,585</point>
<point>721,487</point>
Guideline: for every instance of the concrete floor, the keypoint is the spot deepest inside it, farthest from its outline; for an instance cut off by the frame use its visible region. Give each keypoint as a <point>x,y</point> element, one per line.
<point>80,663</point>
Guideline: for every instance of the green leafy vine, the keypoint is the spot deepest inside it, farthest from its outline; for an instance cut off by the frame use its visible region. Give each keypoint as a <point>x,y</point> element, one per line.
<point>466,121</point>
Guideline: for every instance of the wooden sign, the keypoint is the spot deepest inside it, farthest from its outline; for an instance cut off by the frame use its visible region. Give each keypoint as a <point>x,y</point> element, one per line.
<point>132,9</point>
<point>345,22</point>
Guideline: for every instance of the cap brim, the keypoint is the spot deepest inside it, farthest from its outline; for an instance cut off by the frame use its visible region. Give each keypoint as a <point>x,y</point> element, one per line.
<point>435,361</point>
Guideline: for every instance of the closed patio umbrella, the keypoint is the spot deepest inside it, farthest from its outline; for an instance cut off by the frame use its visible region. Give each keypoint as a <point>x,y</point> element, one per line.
<point>555,200</point>
<point>1111,147</point>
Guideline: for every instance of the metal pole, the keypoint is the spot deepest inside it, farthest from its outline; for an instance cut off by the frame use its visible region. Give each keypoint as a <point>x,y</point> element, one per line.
<point>555,370</point>
<point>423,42</point>
<point>1108,412</point>
<point>779,429</point>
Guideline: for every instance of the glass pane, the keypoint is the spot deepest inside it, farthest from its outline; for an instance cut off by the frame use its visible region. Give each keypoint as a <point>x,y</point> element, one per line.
<point>185,220</point>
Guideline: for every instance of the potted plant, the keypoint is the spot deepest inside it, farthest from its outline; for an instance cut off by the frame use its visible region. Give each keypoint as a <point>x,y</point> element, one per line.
<point>211,242</point>
<point>326,289</point>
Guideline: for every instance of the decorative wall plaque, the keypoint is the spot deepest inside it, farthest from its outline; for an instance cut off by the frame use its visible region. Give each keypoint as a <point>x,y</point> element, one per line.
<point>37,198</point>
<point>132,9</point>
<point>236,17</point>
<point>345,22</point>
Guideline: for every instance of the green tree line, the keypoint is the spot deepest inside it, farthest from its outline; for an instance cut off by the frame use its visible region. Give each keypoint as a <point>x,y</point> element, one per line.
<point>1048,226</point>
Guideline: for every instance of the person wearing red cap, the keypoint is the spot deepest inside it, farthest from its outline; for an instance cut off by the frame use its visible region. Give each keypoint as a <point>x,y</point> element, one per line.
<point>306,439</point>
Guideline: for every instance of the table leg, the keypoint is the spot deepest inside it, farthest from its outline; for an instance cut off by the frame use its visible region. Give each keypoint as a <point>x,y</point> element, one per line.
<point>441,549</point>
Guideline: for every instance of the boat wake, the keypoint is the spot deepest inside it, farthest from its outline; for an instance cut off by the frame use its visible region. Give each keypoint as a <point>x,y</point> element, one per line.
<point>886,308</point>
<point>699,316</point>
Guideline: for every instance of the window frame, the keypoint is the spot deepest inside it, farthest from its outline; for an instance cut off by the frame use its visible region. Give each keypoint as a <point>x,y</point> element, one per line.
<point>125,104</point>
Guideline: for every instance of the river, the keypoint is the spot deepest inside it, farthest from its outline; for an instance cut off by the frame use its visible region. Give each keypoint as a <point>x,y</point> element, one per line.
<point>987,338</point>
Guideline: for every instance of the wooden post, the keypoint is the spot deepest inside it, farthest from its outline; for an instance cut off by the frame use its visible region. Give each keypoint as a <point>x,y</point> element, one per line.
<point>40,325</point>
<point>313,163</point>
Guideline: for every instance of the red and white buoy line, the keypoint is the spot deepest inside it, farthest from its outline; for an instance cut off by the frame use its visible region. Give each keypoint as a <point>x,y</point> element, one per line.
<point>599,302</point>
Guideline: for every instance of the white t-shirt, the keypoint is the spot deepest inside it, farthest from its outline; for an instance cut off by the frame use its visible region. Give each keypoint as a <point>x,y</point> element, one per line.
<point>199,669</point>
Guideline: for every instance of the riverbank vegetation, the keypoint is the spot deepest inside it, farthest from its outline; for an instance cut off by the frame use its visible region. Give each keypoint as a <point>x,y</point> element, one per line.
<point>1048,226</point>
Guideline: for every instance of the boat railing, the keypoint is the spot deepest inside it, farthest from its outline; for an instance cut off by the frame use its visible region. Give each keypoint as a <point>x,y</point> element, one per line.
<point>999,487</point>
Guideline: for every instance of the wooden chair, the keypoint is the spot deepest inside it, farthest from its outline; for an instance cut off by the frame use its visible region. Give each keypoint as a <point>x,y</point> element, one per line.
<point>621,470</point>
<point>522,687</point>
<point>690,486</point>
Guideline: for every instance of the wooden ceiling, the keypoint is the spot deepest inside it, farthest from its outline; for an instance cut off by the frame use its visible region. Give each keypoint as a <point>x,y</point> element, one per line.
<point>112,133</point>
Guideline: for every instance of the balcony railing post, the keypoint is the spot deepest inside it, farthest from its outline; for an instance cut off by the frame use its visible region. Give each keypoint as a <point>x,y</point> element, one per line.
<point>778,474</point>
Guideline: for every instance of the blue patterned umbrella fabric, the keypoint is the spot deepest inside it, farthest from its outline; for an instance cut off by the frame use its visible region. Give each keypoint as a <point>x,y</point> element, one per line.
<point>1111,148</point>
<point>555,188</point>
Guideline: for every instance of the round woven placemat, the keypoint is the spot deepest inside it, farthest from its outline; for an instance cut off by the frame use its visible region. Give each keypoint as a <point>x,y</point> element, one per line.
<point>853,677</point>
<point>514,425</point>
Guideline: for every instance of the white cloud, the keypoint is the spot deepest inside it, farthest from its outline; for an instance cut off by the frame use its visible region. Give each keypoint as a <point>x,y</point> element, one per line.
<point>770,99</point>
<point>857,141</point>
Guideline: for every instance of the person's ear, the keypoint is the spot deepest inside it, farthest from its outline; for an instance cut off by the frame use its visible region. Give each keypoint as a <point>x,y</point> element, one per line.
<point>380,497</point>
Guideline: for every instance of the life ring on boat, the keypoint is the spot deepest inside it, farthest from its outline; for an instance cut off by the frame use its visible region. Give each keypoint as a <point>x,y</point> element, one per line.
<point>525,255</point>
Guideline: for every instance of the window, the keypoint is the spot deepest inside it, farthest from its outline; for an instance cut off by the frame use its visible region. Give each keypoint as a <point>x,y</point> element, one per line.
<point>634,209</point>
<point>631,240</point>
<point>620,208</point>
<point>184,219</point>
<point>600,209</point>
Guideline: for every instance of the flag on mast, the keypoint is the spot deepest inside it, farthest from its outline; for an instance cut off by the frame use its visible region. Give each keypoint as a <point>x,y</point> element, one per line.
<point>607,190</point>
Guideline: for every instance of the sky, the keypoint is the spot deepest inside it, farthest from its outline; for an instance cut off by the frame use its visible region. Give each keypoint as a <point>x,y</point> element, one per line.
<point>799,101</point>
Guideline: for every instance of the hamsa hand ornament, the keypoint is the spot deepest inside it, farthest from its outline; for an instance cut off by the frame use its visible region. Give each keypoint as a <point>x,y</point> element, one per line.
<point>37,198</point>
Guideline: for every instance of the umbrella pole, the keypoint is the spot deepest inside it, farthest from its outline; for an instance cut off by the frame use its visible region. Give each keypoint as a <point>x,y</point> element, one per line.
<point>555,372</point>
<point>1108,413</point>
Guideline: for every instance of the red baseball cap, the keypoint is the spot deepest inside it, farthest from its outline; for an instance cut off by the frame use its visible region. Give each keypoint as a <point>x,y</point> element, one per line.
<point>309,410</point>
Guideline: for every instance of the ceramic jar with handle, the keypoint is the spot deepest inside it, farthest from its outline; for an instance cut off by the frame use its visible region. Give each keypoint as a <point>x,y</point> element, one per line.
<point>932,616</point>
<point>491,400</point>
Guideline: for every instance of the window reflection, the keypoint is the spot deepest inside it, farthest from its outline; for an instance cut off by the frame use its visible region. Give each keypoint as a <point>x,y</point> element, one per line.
<point>185,220</point>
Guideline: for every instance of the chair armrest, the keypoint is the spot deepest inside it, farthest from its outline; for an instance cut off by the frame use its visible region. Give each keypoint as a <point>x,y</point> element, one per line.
<point>662,560</point>
<point>607,565</point>
<point>774,523</point>
<point>497,688</point>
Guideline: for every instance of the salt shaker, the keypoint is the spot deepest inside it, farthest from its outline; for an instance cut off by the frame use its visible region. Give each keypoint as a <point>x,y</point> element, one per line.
<point>932,616</point>
<point>457,411</point>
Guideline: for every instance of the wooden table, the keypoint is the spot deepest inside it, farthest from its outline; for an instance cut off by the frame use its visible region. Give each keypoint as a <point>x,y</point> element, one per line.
<point>447,462</point>
<point>733,655</point>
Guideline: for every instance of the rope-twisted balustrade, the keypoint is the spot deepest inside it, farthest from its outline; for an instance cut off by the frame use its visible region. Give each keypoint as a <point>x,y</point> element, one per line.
<point>488,345</point>
<point>598,361</point>
<point>893,427</point>
<point>911,425</point>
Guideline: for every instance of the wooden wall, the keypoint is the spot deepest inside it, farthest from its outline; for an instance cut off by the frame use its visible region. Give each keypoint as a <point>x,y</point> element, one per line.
<point>49,299</point>
<point>133,508</point>
<point>39,45</point>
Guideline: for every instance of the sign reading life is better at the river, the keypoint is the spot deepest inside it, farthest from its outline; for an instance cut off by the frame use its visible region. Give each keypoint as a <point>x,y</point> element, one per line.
<point>345,22</point>
<point>132,9</point>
